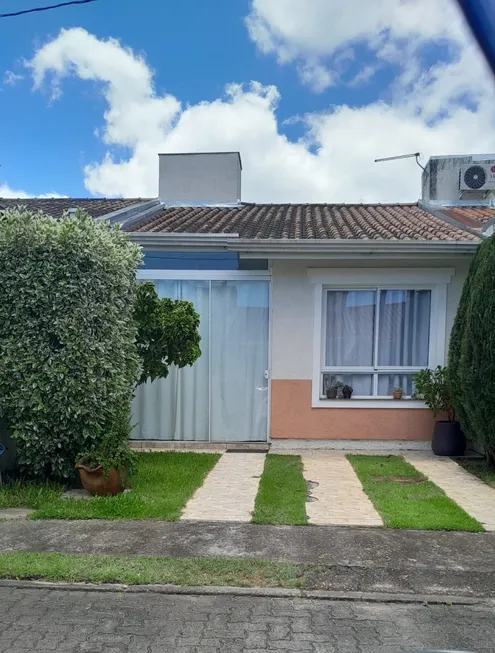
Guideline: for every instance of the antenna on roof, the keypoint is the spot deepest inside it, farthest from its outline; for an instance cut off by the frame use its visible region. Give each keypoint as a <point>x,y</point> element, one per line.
<point>417,155</point>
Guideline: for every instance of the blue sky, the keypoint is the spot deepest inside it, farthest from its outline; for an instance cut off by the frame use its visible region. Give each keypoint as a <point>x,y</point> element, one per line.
<point>330,96</point>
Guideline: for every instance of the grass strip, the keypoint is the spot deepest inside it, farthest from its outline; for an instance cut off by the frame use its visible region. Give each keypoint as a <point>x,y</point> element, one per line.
<point>479,467</point>
<point>27,495</point>
<point>161,486</point>
<point>141,570</point>
<point>406,499</point>
<point>282,493</point>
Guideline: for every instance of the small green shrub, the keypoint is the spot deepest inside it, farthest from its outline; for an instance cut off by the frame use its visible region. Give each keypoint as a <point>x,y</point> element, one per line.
<point>68,359</point>
<point>167,332</point>
<point>113,449</point>
<point>432,386</point>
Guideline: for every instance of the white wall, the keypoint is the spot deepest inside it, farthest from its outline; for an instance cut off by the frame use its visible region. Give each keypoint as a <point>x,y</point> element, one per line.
<point>292,308</point>
<point>213,177</point>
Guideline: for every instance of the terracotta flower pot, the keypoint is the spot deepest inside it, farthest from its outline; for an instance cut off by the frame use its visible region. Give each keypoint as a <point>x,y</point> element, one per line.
<point>97,485</point>
<point>397,395</point>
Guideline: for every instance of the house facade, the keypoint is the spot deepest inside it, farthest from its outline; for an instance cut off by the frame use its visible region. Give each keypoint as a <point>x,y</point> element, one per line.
<point>293,299</point>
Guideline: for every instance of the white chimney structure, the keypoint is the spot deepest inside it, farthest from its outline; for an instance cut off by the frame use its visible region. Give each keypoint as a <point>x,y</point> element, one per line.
<point>202,178</point>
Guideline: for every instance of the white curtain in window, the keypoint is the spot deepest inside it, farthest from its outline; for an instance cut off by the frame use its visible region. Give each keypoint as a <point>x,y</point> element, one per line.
<point>239,355</point>
<point>404,328</point>
<point>350,327</point>
<point>176,408</point>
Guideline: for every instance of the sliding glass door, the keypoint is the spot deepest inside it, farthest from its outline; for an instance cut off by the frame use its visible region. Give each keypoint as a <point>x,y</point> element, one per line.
<point>224,395</point>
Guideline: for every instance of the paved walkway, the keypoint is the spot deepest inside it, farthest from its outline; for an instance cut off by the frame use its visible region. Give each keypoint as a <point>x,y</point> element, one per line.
<point>98,622</point>
<point>470,493</point>
<point>229,491</point>
<point>340,498</point>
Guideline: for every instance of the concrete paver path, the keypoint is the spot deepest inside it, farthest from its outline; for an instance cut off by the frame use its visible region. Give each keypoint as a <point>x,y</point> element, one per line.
<point>340,498</point>
<point>100,622</point>
<point>15,513</point>
<point>229,491</point>
<point>470,493</point>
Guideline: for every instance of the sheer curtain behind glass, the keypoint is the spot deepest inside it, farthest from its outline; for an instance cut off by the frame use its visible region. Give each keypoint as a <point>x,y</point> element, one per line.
<point>403,335</point>
<point>239,355</point>
<point>350,335</point>
<point>176,408</point>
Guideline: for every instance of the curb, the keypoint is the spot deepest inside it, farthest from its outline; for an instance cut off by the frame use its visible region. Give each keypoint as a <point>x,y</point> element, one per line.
<point>267,592</point>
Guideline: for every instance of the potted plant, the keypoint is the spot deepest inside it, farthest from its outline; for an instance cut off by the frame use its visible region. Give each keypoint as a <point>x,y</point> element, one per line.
<point>397,393</point>
<point>347,391</point>
<point>104,470</point>
<point>432,387</point>
<point>333,390</point>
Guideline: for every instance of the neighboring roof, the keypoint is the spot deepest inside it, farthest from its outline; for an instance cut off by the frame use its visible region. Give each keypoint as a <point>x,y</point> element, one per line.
<point>56,206</point>
<point>475,217</point>
<point>399,222</point>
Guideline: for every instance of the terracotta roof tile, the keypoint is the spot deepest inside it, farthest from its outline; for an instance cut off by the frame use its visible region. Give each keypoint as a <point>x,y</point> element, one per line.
<point>55,206</point>
<point>471,216</point>
<point>306,221</point>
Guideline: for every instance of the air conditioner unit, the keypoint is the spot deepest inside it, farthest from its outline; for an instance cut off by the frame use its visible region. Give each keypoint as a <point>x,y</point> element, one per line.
<point>477,176</point>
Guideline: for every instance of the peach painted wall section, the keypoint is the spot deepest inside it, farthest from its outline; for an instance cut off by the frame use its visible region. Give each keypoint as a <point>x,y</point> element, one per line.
<point>293,418</point>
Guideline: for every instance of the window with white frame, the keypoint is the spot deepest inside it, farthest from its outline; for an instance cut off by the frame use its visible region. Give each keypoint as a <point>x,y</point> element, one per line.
<point>375,339</point>
<point>374,328</point>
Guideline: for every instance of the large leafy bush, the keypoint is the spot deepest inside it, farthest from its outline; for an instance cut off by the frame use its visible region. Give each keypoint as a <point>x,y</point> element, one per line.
<point>68,358</point>
<point>472,351</point>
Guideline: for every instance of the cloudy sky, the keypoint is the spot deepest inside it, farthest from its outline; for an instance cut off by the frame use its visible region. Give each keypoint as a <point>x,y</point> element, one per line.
<point>309,91</point>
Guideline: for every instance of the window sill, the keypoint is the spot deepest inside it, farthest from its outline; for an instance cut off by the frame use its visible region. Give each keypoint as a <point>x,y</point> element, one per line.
<point>372,402</point>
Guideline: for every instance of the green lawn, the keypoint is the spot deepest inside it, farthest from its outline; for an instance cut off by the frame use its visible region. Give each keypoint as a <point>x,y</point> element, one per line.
<point>479,467</point>
<point>141,570</point>
<point>27,495</point>
<point>282,493</point>
<point>161,486</point>
<point>420,505</point>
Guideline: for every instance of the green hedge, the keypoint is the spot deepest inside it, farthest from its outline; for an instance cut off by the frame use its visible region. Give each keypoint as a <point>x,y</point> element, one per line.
<point>472,351</point>
<point>68,360</point>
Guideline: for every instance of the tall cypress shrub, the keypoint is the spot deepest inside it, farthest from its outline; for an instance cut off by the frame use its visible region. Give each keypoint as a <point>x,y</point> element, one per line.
<point>68,359</point>
<point>472,351</point>
<point>456,337</point>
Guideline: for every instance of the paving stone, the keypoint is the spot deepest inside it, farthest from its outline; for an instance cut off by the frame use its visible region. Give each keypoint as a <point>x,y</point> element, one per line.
<point>229,491</point>
<point>76,494</point>
<point>15,513</point>
<point>81,494</point>
<point>348,627</point>
<point>340,498</point>
<point>469,492</point>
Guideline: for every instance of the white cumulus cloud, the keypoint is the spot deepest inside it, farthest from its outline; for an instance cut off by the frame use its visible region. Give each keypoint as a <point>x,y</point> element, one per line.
<point>10,78</point>
<point>331,162</point>
<point>314,33</point>
<point>10,193</point>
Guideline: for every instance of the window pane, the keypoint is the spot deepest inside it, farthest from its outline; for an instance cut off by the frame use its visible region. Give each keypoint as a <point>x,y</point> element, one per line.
<point>239,354</point>
<point>362,384</point>
<point>350,327</point>
<point>404,328</point>
<point>388,382</point>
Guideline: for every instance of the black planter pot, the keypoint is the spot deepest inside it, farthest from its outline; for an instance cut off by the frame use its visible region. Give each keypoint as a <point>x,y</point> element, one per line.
<point>347,395</point>
<point>332,393</point>
<point>448,439</point>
